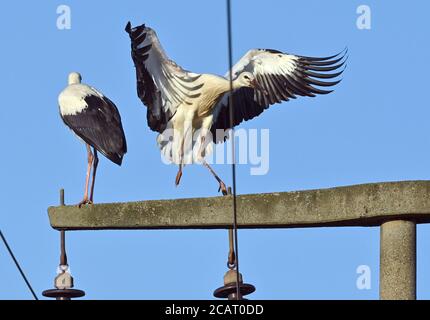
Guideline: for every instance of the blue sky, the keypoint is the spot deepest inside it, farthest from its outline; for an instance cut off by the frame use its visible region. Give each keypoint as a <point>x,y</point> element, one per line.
<point>373,128</point>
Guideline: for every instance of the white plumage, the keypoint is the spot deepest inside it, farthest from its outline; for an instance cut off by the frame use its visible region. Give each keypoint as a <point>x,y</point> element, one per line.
<point>72,99</point>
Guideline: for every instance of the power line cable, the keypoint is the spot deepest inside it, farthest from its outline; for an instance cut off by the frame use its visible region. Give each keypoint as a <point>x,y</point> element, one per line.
<point>233,149</point>
<point>18,266</point>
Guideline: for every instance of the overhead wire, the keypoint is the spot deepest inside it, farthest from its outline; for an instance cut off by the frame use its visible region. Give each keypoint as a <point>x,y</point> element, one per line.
<point>18,266</point>
<point>233,149</point>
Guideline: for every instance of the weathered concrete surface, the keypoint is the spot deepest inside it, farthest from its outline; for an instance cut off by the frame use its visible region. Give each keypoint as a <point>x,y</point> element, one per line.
<point>359,205</point>
<point>398,260</point>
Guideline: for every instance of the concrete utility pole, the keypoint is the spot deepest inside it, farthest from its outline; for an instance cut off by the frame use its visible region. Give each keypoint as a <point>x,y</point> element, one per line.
<point>398,260</point>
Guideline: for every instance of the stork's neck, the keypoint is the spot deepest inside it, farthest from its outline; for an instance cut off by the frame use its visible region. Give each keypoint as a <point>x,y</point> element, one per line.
<point>236,84</point>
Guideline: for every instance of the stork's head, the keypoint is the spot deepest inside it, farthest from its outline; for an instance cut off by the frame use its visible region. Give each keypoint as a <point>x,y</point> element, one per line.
<point>74,78</point>
<point>247,79</point>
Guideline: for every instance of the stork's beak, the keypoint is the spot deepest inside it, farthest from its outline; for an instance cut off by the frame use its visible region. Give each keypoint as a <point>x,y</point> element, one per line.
<point>258,87</point>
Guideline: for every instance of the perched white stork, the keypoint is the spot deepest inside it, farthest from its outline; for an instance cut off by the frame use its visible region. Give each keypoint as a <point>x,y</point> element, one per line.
<point>95,120</point>
<point>188,102</point>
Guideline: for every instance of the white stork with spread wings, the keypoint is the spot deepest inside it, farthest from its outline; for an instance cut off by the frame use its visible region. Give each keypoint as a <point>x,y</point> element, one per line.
<point>182,104</point>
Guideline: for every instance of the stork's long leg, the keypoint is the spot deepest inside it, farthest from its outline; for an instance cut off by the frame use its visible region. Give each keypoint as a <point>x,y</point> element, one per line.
<point>178,175</point>
<point>222,186</point>
<point>201,154</point>
<point>181,157</point>
<point>95,164</point>
<point>87,180</point>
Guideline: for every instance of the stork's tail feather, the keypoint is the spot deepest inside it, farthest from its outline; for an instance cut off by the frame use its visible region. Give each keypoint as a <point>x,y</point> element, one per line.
<point>115,158</point>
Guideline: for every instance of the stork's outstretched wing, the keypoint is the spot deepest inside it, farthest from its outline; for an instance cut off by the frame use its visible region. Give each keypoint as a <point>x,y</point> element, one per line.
<point>283,77</point>
<point>162,85</point>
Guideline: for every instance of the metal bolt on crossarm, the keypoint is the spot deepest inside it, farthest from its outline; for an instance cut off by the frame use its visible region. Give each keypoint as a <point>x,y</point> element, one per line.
<point>63,281</point>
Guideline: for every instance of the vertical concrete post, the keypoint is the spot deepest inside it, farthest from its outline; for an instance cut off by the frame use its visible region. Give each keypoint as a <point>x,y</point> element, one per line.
<point>398,260</point>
